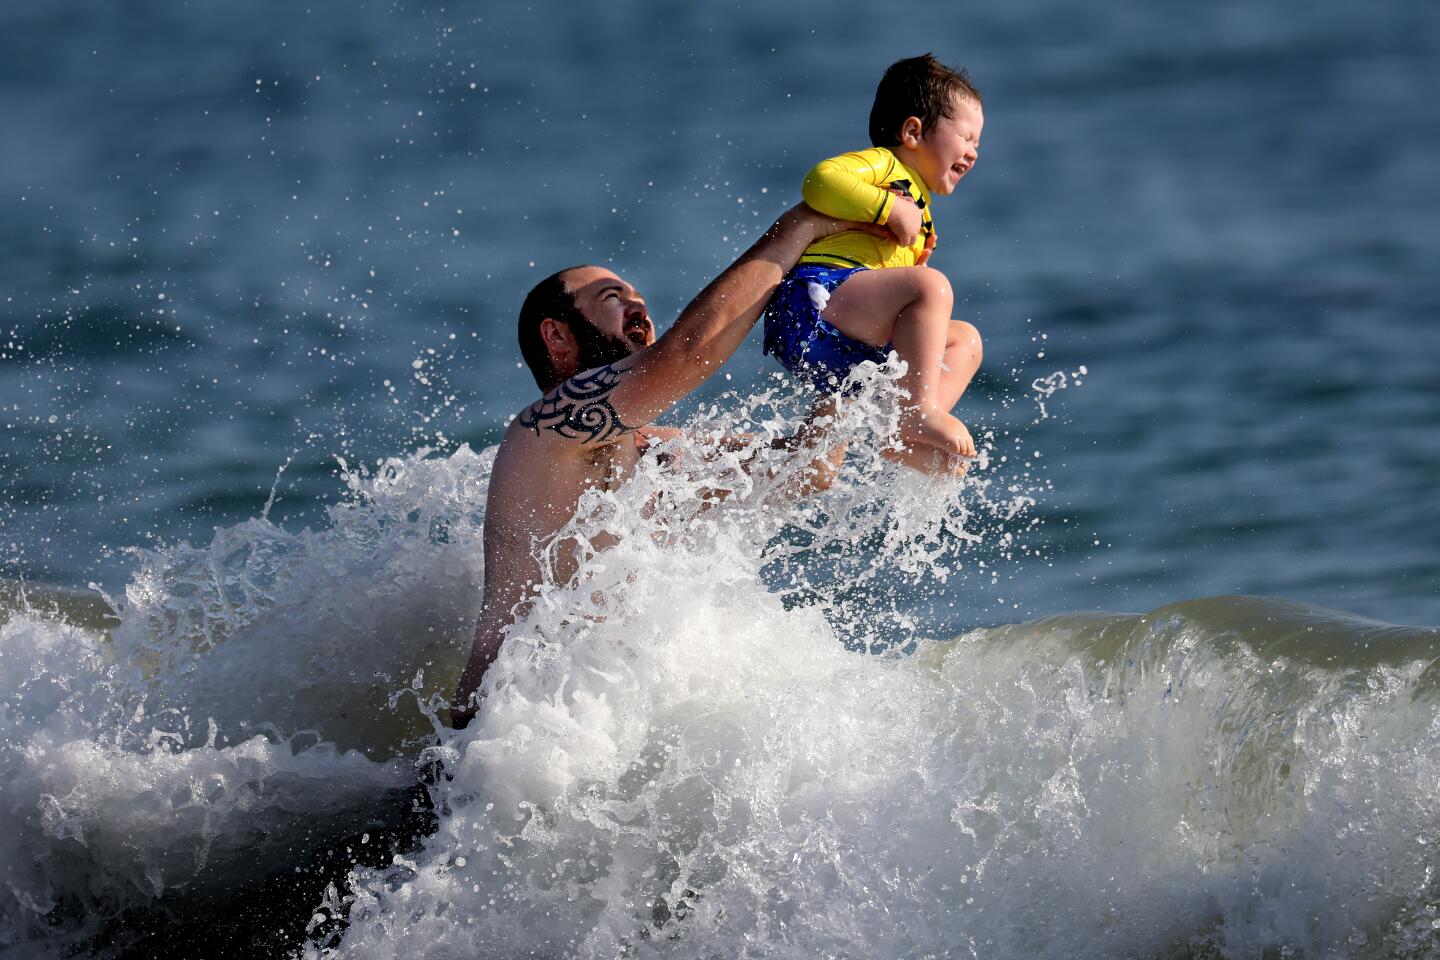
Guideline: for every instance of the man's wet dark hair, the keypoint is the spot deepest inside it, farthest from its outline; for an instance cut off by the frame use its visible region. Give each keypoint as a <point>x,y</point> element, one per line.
<point>550,298</point>
<point>918,87</point>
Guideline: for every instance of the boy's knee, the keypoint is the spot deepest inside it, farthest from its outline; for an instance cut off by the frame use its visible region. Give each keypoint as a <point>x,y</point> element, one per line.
<point>967,336</point>
<point>931,284</point>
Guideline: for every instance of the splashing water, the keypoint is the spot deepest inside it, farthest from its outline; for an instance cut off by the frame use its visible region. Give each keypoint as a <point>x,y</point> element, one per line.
<point>244,708</point>
<point>726,735</point>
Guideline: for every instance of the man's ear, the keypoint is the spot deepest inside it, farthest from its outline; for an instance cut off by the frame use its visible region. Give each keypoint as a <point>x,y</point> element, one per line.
<point>561,345</point>
<point>911,132</point>
<point>557,337</point>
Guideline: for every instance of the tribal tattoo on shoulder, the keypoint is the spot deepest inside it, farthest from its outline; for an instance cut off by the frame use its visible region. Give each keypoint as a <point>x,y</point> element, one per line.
<point>580,409</point>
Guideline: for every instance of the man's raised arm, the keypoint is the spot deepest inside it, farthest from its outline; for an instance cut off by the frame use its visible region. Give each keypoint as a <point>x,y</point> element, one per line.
<point>717,321</point>
<point>600,405</point>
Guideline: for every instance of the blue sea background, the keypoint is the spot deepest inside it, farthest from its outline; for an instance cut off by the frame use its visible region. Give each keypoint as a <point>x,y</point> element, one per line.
<point>240,240</point>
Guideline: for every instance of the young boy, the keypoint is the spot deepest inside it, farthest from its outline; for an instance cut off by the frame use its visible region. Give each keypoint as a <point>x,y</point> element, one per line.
<point>854,295</point>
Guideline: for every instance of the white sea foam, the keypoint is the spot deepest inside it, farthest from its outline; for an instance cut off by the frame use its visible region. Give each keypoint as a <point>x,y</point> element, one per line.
<point>671,760</point>
<point>699,746</point>
<point>720,777</point>
<point>262,693</point>
<point>97,821</point>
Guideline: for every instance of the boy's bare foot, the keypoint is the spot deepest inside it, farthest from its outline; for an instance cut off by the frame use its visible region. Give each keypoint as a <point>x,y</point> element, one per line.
<point>927,460</point>
<point>938,429</point>
<point>934,443</point>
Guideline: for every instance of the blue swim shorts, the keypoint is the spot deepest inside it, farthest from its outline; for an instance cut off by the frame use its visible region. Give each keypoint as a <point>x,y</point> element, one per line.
<point>801,340</point>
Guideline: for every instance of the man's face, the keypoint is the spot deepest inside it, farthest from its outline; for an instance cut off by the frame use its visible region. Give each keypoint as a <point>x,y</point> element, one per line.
<point>619,323</point>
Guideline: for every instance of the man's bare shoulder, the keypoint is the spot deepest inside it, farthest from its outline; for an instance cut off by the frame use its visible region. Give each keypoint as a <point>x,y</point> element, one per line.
<point>580,411</point>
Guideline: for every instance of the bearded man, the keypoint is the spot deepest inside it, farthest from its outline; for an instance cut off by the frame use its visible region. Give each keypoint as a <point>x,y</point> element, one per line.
<point>588,339</point>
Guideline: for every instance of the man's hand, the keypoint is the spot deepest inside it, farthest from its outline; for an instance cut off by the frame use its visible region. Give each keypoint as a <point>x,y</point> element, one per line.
<point>905,220</point>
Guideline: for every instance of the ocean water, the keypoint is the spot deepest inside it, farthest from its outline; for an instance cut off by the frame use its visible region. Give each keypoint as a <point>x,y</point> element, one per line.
<point>1134,688</point>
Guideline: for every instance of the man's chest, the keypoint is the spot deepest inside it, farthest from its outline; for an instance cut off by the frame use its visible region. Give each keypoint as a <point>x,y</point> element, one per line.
<point>608,467</point>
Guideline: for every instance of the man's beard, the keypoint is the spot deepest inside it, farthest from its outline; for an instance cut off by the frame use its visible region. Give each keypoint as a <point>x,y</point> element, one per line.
<point>598,348</point>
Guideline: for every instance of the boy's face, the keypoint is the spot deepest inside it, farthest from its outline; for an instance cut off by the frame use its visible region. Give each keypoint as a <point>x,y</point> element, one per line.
<point>945,153</point>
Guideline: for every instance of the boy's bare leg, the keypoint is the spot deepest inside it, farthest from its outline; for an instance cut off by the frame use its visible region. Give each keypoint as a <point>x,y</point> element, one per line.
<point>963,353</point>
<point>909,306</point>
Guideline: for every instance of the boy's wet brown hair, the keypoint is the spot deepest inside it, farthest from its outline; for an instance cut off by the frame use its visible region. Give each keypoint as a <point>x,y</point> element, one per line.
<point>916,87</point>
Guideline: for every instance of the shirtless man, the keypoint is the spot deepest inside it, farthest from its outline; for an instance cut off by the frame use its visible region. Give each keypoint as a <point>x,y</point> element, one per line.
<point>590,344</point>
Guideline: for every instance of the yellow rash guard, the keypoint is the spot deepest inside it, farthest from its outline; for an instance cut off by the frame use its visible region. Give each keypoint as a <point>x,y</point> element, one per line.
<point>857,186</point>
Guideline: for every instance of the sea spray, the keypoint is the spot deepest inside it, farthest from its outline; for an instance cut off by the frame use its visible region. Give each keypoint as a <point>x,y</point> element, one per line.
<point>699,746</point>
<point>241,714</point>
<point>267,629</point>
<point>733,782</point>
<point>100,822</point>
<point>671,759</point>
